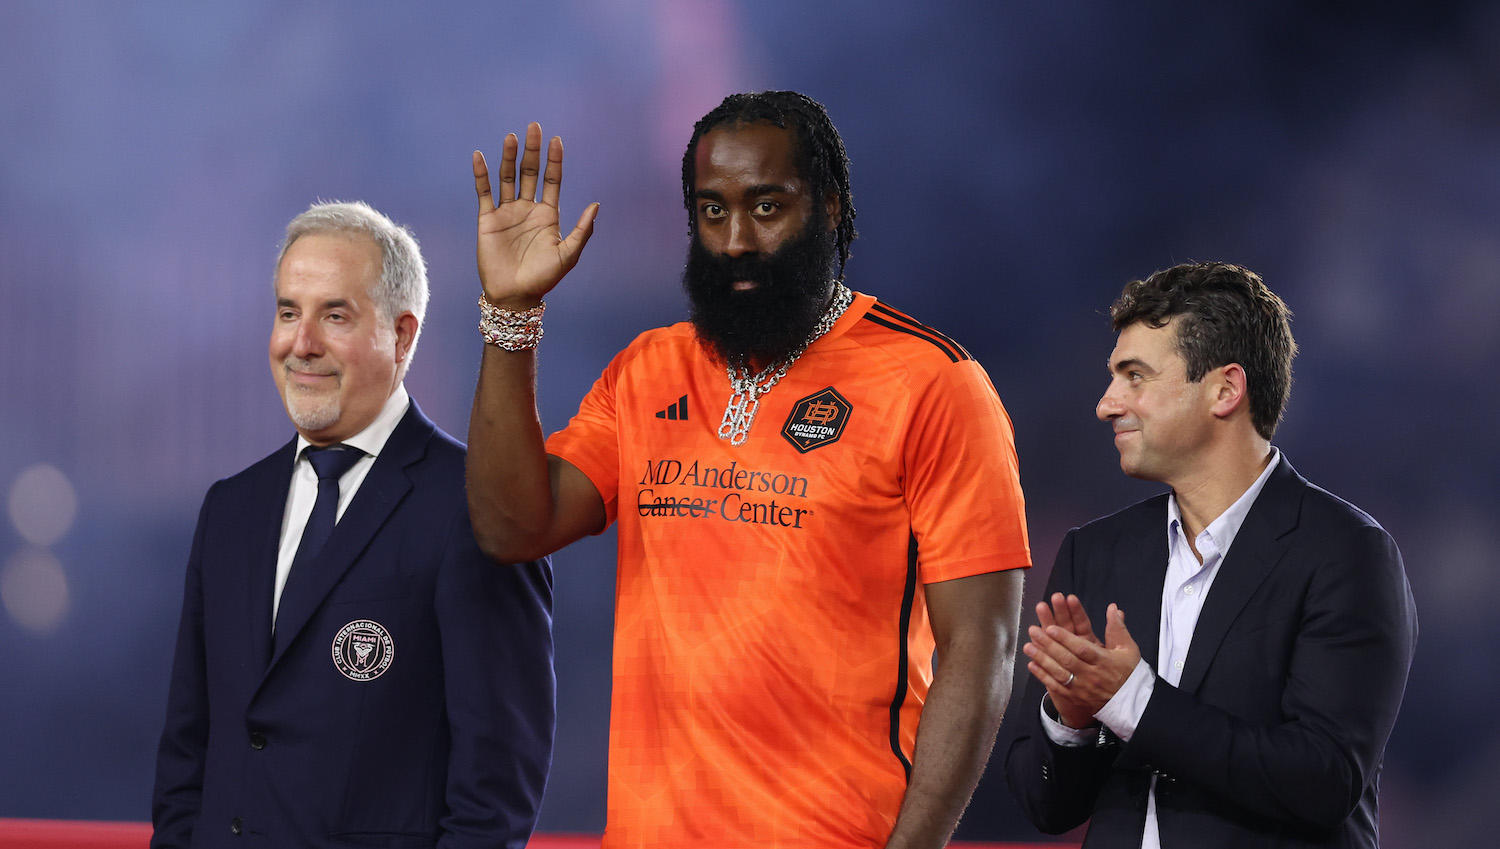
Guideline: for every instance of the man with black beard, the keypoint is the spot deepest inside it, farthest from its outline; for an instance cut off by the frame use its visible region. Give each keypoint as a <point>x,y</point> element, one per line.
<point>764,323</point>
<point>787,566</point>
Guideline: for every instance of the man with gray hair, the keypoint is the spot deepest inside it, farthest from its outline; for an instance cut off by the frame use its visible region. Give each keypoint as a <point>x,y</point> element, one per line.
<point>350,669</point>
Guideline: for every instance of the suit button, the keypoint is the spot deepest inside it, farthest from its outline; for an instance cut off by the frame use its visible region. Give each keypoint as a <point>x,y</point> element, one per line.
<point>236,825</point>
<point>257,740</point>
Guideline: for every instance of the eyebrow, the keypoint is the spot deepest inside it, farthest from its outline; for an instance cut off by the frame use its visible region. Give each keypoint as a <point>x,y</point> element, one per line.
<point>1128,364</point>
<point>768,189</point>
<point>759,189</point>
<point>332,303</point>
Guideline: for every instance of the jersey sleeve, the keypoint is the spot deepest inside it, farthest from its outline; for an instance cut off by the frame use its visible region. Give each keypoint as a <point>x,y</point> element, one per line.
<point>963,482</point>
<point>591,439</point>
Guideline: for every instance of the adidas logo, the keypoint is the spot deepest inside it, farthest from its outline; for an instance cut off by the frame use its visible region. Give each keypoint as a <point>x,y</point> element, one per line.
<point>677,412</point>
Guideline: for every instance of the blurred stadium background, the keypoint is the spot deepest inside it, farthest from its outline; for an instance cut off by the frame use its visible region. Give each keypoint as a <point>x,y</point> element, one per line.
<point>1013,166</point>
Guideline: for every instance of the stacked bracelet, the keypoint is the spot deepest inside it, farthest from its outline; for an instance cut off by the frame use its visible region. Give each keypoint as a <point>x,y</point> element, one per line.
<point>509,329</point>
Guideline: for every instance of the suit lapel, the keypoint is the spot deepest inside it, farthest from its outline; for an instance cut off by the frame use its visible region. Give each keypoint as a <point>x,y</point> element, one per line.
<point>267,515</point>
<point>1142,555</point>
<point>379,493</point>
<point>1257,548</point>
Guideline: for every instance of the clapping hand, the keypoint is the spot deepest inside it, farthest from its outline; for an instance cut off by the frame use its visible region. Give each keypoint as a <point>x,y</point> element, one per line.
<point>1080,673</point>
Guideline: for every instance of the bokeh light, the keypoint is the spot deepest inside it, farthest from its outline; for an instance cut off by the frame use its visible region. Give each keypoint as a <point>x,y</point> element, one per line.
<point>34,590</point>
<point>42,504</point>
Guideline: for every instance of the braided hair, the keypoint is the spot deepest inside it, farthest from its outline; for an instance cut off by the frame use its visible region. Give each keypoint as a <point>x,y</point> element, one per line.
<point>820,155</point>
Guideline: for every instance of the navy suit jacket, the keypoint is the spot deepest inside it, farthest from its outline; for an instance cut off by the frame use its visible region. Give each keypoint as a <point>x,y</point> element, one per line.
<point>448,744</point>
<point>1275,734</point>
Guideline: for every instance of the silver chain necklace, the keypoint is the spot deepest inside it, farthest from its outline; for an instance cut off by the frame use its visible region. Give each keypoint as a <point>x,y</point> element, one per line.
<point>745,401</point>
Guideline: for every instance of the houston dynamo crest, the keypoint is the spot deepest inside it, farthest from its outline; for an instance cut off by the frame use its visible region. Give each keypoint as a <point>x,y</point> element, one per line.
<point>817,420</point>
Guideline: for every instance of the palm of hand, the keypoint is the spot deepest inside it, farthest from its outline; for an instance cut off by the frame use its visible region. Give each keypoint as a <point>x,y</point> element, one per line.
<point>521,255</point>
<point>518,242</point>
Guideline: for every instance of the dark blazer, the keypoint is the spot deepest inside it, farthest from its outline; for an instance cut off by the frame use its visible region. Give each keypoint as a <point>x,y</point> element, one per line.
<point>447,745</point>
<point>1275,734</point>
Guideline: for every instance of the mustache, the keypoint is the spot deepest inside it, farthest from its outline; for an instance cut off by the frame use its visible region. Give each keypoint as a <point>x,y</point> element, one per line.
<point>293,363</point>
<point>752,267</point>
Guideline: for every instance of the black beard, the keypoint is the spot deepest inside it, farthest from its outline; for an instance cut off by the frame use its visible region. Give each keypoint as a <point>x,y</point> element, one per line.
<point>766,323</point>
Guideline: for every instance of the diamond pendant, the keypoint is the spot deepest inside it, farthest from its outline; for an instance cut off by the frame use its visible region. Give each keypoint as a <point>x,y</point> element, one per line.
<point>738,417</point>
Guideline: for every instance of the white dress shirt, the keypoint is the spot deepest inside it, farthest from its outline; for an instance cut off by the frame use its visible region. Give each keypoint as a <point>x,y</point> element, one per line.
<point>1183,593</point>
<point>304,491</point>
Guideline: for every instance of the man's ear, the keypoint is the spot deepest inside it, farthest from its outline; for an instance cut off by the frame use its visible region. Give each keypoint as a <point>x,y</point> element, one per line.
<point>1230,389</point>
<point>406,333</point>
<point>832,209</point>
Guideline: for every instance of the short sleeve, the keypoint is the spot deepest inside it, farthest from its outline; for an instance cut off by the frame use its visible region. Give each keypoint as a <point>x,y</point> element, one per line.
<point>963,482</point>
<point>591,439</point>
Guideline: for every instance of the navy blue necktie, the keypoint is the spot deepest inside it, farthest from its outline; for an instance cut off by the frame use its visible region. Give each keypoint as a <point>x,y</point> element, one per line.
<point>330,463</point>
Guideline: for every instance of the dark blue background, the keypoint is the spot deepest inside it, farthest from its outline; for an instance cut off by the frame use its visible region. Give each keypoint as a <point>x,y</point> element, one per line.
<point>1013,166</point>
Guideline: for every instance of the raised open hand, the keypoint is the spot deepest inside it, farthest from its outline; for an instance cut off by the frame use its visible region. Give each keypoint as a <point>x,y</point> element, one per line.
<point>521,253</point>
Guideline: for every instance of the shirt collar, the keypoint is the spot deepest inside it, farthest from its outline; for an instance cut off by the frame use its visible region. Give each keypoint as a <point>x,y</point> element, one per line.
<point>373,438</point>
<point>1226,527</point>
<point>858,306</point>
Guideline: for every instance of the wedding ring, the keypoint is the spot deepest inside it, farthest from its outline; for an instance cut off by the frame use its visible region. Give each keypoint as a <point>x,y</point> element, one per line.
<point>1069,682</point>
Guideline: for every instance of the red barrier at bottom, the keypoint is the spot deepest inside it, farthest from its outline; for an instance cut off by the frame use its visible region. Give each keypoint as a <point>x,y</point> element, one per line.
<point>78,834</point>
<point>73,834</point>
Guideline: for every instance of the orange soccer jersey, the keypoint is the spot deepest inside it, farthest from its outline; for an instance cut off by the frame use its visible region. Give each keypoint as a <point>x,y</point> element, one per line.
<point>772,651</point>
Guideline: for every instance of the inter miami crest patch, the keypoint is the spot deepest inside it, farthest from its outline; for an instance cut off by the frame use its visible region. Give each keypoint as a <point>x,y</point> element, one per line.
<point>363,650</point>
<point>817,420</point>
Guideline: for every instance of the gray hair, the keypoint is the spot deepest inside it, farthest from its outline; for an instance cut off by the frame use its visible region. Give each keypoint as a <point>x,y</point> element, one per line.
<point>403,277</point>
